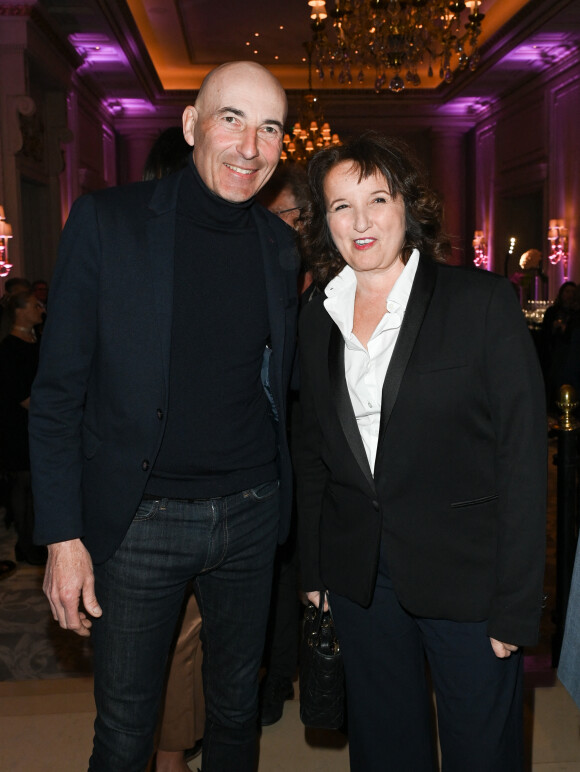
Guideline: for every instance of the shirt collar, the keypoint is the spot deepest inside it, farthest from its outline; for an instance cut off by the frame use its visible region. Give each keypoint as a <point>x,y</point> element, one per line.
<point>401,291</point>
<point>340,294</point>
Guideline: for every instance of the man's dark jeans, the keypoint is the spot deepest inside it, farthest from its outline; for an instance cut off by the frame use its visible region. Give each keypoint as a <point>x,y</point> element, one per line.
<point>228,544</point>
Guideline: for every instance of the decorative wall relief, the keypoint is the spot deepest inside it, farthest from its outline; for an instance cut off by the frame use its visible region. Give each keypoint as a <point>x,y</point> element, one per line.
<point>33,136</point>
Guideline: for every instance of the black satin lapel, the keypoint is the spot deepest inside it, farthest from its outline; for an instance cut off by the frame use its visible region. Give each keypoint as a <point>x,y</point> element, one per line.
<point>342,401</point>
<point>419,299</point>
<point>160,238</point>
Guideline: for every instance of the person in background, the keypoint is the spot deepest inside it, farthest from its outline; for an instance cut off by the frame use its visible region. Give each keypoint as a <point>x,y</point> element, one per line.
<point>569,662</point>
<point>420,458</point>
<point>15,285</point>
<point>156,456</point>
<point>11,287</point>
<point>40,290</point>
<point>168,154</point>
<point>180,730</point>
<point>285,195</point>
<point>558,324</point>
<point>18,365</point>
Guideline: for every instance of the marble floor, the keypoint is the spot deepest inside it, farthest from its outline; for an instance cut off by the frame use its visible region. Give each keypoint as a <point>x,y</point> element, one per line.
<point>46,726</point>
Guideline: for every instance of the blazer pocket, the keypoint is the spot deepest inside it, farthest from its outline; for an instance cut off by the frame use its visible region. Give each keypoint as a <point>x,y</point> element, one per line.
<point>474,502</point>
<point>432,367</point>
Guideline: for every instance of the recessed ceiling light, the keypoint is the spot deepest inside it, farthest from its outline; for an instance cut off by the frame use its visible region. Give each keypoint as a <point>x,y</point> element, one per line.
<point>281,26</point>
<point>256,34</point>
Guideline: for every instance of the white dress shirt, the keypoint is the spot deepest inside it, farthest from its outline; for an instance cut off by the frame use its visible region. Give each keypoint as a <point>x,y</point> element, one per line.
<point>365,368</point>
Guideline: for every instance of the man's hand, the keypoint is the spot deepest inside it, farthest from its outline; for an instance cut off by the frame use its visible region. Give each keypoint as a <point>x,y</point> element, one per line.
<point>502,650</point>
<point>68,580</point>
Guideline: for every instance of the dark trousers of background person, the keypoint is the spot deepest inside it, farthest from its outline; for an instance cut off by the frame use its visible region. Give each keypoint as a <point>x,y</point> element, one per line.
<point>283,636</point>
<point>22,512</point>
<point>227,544</point>
<point>479,697</point>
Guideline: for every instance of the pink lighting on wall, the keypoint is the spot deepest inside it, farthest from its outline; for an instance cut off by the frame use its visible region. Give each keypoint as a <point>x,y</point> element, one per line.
<point>96,50</point>
<point>543,50</point>
<point>480,248</point>
<point>558,238</point>
<point>129,107</point>
<point>467,106</point>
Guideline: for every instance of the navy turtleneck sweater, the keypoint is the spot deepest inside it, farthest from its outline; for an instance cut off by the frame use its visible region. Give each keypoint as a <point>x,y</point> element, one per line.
<point>219,437</point>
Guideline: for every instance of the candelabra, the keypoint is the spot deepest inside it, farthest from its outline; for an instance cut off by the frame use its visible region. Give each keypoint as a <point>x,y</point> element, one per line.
<point>558,238</point>
<point>480,248</point>
<point>5,234</point>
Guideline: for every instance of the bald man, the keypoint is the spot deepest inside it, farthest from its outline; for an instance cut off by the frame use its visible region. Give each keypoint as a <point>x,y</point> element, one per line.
<point>157,453</point>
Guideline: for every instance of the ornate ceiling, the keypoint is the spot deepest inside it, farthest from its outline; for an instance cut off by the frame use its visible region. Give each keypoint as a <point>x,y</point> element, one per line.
<point>152,51</point>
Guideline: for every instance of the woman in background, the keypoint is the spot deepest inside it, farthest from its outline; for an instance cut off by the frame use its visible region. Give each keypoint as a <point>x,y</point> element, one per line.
<point>558,325</point>
<point>18,365</point>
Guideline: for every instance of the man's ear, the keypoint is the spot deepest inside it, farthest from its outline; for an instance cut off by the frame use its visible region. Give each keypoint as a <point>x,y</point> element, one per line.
<point>189,119</point>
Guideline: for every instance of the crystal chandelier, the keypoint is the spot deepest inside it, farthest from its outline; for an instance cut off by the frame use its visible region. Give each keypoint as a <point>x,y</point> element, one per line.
<point>395,38</point>
<point>310,132</point>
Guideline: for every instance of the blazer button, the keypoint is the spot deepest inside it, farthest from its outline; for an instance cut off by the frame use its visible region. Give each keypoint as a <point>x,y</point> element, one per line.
<point>159,413</point>
<point>376,505</point>
<point>145,465</point>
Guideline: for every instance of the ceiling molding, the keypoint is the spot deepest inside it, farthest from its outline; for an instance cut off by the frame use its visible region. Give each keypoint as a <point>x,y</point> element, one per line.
<point>120,19</point>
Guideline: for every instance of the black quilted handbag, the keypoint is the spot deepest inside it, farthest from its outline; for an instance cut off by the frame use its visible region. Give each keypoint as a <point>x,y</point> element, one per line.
<point>322,697</point>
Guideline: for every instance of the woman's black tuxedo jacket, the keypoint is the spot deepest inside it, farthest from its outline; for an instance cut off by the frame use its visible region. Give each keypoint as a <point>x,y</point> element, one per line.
<point>458,493</point>
<point>99,402</point>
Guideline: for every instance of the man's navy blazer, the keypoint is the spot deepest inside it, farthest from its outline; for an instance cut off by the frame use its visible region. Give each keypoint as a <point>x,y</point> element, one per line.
<point>99,401</point>
<point>459,487</point>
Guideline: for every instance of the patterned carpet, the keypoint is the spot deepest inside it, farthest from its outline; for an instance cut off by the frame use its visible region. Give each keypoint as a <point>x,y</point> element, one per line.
<point>32,645</point>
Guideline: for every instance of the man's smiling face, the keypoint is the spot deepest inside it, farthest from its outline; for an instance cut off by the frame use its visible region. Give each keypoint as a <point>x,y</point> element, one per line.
<point>236,128</point>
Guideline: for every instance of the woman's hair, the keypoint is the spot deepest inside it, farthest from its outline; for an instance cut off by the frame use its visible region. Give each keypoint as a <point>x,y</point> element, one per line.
<point>290,176</point>
<point>560,297</point>
<point>18,300</point>
<point>372,153</point>
<point>169,153</point>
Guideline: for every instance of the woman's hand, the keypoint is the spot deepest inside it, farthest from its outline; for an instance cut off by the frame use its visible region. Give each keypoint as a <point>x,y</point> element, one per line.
<point>502,650</point>
<point>314,597</point>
